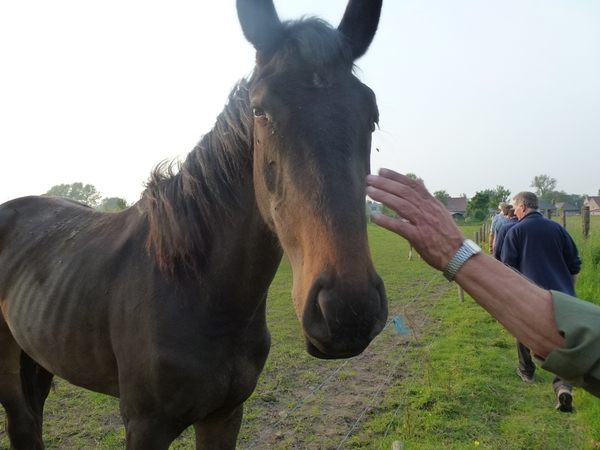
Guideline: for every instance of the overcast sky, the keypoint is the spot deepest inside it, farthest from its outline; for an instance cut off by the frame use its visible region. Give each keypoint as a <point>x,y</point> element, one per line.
<point>472,93</point>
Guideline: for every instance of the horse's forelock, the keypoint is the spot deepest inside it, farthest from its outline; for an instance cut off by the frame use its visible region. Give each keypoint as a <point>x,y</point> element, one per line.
<point>315,43</point>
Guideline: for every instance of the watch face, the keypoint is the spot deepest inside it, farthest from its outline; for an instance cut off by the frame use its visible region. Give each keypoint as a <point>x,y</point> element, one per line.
<point>472,246</point>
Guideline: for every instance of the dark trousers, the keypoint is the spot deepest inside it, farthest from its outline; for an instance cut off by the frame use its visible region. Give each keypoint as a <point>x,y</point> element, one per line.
<point>527,367</point>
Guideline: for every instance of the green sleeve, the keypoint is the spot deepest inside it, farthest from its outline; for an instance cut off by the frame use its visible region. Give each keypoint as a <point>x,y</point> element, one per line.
<point>578,322</point>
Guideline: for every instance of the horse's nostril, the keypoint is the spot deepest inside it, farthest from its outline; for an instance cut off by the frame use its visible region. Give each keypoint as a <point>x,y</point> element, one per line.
<point>342,319</point>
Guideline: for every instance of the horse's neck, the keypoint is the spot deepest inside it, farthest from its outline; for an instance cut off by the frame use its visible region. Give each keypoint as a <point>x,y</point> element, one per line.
<point>208,210</point>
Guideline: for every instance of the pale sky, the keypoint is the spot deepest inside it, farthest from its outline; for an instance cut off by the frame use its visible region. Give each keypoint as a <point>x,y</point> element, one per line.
<point>472,93</point>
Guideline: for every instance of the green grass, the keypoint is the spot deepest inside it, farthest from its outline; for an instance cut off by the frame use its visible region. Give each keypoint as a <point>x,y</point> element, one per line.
<point>588,288</point>
<point>450,384</point>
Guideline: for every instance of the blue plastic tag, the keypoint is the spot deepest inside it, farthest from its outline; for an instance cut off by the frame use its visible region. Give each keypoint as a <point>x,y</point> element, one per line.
<point>400,325</point>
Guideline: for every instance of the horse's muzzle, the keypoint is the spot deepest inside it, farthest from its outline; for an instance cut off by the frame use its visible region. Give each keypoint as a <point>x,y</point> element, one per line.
<point>341,318</point>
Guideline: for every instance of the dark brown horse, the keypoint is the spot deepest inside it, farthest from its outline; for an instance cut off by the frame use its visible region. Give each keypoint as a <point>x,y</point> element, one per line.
<point>163,304</point>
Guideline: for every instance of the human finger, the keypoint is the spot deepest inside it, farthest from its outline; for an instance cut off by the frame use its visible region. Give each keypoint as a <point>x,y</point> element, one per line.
<point>400,205</point>
<point>401,228</point>
<point>396,188</point>
<point>417,185</point>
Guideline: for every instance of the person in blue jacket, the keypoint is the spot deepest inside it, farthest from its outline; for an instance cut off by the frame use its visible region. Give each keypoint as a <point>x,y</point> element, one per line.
<point>542,251</point>
<point>512,220</point>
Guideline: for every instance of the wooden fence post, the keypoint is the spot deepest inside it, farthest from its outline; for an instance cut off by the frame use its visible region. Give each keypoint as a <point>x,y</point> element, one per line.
<point>563,217</point>
<point>477,237</point>
<point>548,213</point>
<point>585,221</point>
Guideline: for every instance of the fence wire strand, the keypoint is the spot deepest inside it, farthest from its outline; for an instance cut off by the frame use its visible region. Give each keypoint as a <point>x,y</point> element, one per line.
<point>328,379</point>
<point>414,375</point>
<point>393,369</point>
<point>298,405</point>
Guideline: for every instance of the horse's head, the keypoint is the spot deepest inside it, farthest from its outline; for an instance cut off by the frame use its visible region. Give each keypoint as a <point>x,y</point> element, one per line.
<point>313,121</point>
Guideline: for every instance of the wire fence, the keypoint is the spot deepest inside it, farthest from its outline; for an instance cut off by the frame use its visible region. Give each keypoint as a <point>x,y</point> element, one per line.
<point>415,330</point>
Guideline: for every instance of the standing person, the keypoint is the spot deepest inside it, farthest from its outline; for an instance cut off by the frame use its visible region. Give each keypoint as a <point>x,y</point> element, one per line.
<point>512,220</point>
<point>498,221</point>
<point>542,251</point>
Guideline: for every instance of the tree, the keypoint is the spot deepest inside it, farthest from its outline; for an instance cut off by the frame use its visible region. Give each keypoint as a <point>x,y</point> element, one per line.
<point>480,215</point>
<point>442,196</point>
<point>479,202</point>
<point>412,176</point>
<point>574,199</point>
<point>87,194</point>
<point>544,185</point>
<point>559,196</point>
<point>113,204</point>
<point>499,195</point>
<point>577,200</point>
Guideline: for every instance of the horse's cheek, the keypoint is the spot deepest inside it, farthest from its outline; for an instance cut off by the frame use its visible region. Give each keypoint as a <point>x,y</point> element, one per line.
<point>264,182</point>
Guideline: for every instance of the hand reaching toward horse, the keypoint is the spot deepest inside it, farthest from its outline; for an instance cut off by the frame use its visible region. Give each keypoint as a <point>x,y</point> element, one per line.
<point>432,232</point>
<point>430,228</point>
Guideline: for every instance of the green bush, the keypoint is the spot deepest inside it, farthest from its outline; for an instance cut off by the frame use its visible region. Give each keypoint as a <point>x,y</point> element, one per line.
<point>480,215</point>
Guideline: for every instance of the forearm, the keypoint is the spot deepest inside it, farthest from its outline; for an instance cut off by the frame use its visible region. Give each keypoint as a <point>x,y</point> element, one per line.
<point>524,309</point>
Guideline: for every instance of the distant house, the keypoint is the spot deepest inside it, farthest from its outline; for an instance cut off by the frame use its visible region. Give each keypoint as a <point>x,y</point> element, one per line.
<point>544,206</point>
<point>373,208</point>
<point>457,207</point>
<point>569,209</point>
<point>594,203</point>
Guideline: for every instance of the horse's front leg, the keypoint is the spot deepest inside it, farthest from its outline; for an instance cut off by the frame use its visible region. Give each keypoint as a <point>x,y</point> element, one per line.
<point>219,435</point>
<point>150,433</point>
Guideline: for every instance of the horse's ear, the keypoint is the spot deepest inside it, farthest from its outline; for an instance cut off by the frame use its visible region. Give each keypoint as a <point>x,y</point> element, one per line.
<point>260,24</point>
<point>359,24</point>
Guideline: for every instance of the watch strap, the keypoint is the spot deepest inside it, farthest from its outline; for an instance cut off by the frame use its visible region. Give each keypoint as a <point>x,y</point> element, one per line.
<point>466,250</point>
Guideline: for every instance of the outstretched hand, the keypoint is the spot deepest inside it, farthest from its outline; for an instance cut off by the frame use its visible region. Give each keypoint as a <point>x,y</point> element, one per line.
<point>430,227</point>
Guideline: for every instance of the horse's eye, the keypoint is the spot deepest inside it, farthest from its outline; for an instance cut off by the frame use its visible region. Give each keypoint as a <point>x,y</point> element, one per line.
<point>258,113</point>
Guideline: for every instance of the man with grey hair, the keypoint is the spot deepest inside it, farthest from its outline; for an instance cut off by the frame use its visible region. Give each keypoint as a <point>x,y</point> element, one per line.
<point>498,221</point>
<point>542,251</point>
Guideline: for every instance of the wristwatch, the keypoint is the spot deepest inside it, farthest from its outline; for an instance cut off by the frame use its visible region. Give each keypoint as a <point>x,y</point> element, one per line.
<point>466,250</point>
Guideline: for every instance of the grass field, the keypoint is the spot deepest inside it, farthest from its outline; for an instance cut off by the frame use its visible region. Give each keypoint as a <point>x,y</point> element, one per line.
<point>449,384</point>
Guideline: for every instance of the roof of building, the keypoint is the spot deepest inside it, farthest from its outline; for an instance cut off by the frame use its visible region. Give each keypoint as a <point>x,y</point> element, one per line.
<point>593,201</point>
<point>544,205</point>
<point>565,206</point>
<point>594,198</point>
<point>456,204</point>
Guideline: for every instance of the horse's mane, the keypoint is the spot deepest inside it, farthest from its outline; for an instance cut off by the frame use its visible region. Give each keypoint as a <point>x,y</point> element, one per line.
<point>185,202</point>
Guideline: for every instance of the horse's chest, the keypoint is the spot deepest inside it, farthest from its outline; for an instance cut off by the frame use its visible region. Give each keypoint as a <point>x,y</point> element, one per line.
<point>196,377</point>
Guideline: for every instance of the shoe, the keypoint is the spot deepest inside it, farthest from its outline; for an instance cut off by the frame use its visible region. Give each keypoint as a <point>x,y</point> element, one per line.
<point>524,377</point>
<point>564,400</point>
